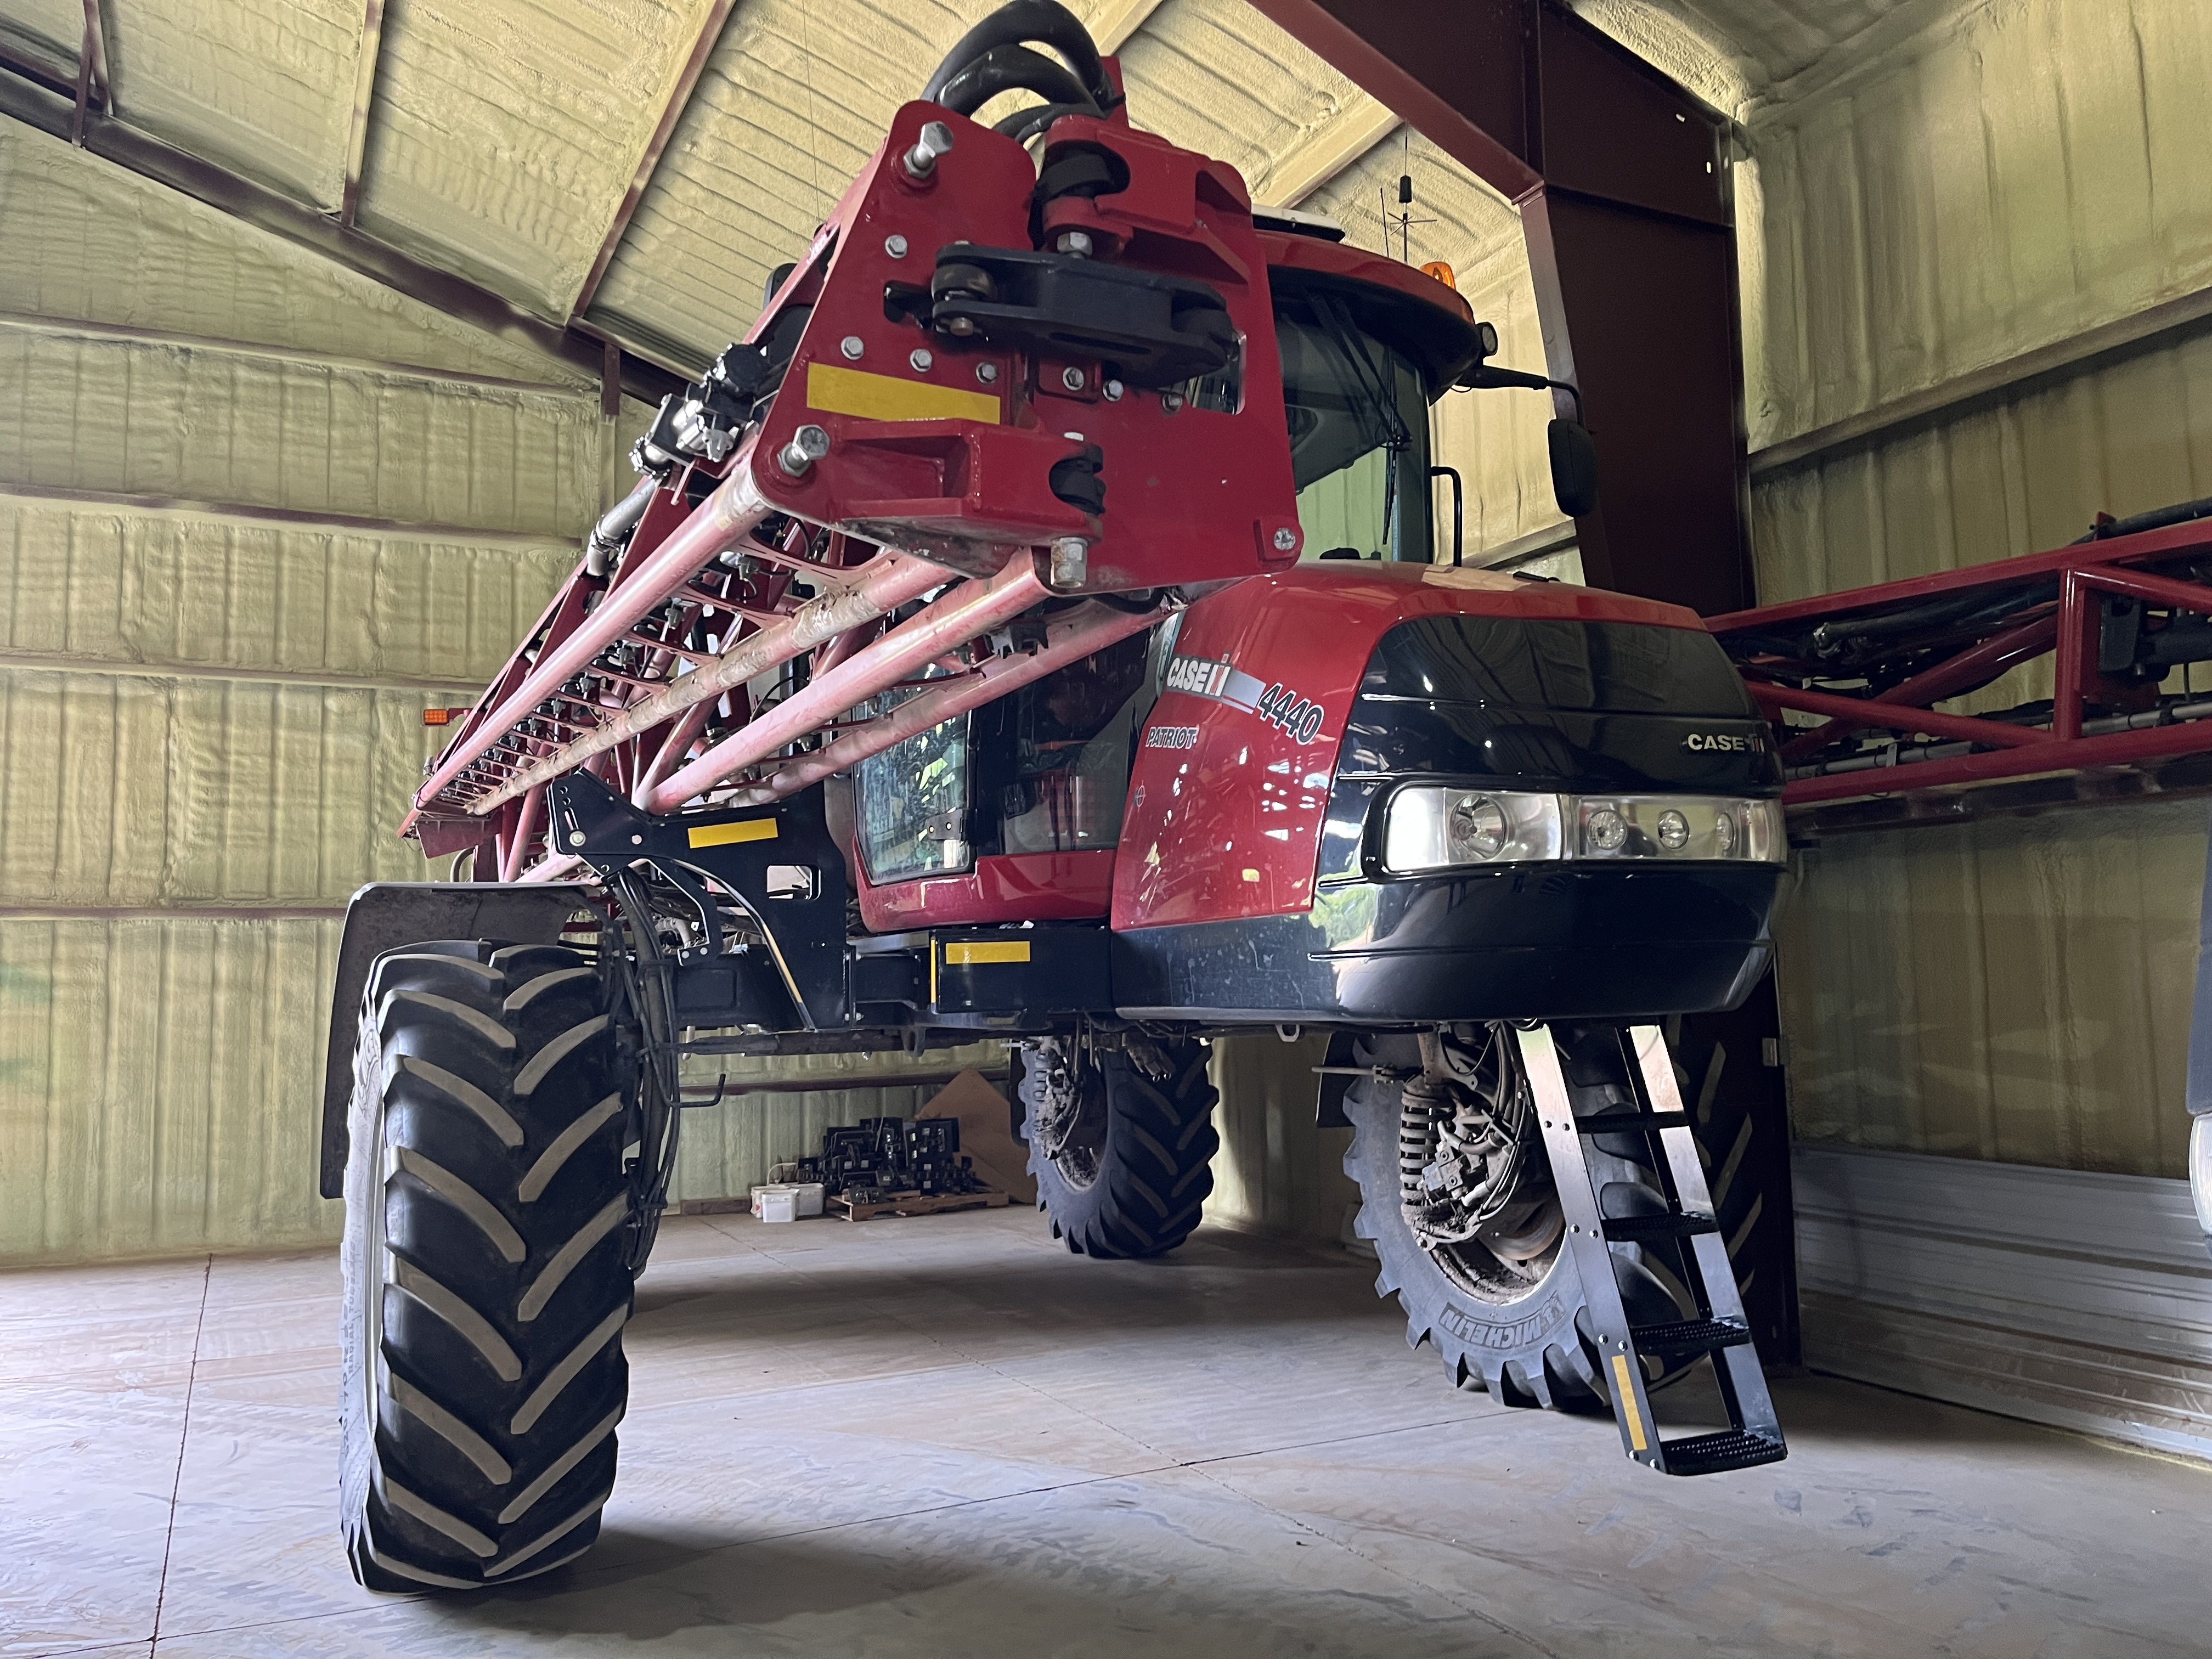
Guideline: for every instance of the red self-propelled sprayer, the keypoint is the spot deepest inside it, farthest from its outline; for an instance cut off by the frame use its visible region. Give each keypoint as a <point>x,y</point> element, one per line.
<point>1035,629</point>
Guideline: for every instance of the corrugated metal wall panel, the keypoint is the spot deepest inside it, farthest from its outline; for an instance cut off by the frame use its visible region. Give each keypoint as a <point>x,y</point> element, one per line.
<point>2060,1295</point>
<point>2016,989</point>
<point>82,239</point>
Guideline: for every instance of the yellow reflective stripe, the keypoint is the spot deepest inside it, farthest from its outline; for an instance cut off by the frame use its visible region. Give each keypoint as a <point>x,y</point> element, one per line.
<point>725,835</point>
<point>1626,1393</point>
<point>835,390</point>
<point>975,953</point>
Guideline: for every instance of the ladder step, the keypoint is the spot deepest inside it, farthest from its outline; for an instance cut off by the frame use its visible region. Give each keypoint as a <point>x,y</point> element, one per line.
<point>1613,1123</point>
<point>1689,1336</point>
<point>1641,1229</point>
<point>1714,1454</point>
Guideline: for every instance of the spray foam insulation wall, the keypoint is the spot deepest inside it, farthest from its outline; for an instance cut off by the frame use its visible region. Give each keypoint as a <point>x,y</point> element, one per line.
<point>214,720</point>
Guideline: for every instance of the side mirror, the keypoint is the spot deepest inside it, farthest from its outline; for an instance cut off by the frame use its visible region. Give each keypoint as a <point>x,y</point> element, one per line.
<point>1574,468</point>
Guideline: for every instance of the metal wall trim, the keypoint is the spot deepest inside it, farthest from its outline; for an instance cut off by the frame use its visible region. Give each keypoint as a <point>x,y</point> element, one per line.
<point>169,912</point>
<point>1997,383</point>
<point>466,535</point>
<point>58,662</point>
<point>2064,1297</point>
<point>78,328</point>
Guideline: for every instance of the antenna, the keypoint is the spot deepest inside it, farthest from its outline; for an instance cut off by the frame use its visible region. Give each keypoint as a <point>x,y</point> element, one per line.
<point>1403,221</point>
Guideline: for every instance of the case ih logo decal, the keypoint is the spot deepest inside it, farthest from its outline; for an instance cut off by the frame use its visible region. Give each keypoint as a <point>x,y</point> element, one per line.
<point>1277,704</point>
<point>1719,743</point>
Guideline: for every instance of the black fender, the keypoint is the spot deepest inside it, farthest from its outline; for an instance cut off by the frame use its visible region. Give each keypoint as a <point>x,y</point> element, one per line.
<point>386,915</point>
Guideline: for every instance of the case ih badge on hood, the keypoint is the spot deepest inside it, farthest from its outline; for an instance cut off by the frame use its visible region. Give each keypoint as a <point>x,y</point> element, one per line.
<point>1278,704</point>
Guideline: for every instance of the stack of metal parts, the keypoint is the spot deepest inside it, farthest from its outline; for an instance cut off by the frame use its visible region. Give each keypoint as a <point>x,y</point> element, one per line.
<point>870,1160</point>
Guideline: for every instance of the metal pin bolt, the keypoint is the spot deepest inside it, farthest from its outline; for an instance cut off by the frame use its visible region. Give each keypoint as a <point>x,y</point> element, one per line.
<point>1113,390</point>
<point>637,841</point>
<point>934,141</point>
<point>1285,539</point>
<point>1171,401</point>
<point>808,445</point>
<point>1074,243</point>
<point>1072,378</point>
<point>851,345</point>
<point>1071,558</point>
<point>575,838</point>
<point>895,246</point>
<point>961,325</point>
<point>987,374</point>
<point>921,359</point>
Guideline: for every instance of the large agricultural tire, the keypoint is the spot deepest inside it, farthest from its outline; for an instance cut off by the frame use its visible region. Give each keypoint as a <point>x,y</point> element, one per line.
<point>485,1288</point>
<point>1529,1344</point>
<point>1133,1175</point>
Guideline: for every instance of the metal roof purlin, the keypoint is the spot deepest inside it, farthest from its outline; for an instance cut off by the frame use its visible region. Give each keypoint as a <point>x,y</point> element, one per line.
<point>364,89</point>
<point>679,97</point>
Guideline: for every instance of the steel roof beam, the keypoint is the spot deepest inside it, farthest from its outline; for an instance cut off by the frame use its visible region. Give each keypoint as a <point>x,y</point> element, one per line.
<point>364,90</point>
<point>679,99</point>
<point>1624,183</point>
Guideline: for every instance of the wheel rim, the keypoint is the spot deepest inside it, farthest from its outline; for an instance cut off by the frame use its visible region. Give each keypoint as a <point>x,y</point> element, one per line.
<point>1475,1188</point>
<point>1070,1114</point>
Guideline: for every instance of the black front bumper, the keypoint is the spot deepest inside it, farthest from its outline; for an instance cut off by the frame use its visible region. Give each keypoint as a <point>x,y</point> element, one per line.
<point>1527,943</point>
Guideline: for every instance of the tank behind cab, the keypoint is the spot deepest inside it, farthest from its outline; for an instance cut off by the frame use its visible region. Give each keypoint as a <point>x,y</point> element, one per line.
<point>1375,787</point>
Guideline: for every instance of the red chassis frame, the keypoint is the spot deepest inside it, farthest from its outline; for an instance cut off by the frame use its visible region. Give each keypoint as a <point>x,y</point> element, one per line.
<point>2061,622</point>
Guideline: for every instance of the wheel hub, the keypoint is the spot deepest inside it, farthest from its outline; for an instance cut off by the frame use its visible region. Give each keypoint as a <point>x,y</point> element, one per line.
<point>1067,1117</point>
<point>1475,1187</point>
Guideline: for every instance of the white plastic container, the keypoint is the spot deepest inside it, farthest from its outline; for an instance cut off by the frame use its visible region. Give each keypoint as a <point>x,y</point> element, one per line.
<point>809,1197</point>
<point>778,1203</point>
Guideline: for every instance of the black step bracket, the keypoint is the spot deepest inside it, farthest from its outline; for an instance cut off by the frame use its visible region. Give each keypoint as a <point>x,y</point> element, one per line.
<point>1646,1229</point>
<point>1613,1123</point>
<point>779,861</point>
<point>1682,1336</point>
<point>1718,1329</point>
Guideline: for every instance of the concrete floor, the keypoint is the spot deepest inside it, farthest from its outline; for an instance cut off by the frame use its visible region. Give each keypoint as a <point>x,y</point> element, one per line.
<point>947,1437</point>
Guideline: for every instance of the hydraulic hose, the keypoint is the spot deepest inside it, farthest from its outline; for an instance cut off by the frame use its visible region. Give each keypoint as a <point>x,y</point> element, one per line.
<point>1047,22</point>
<point>1009,68</point>
<point>1025,123</point>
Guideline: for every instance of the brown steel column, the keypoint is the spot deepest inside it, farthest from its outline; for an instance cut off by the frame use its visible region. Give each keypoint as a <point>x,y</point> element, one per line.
<point>1623,182</point>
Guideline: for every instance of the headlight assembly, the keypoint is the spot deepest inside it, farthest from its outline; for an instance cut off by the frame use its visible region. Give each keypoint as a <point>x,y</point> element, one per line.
<point>1437,827</point>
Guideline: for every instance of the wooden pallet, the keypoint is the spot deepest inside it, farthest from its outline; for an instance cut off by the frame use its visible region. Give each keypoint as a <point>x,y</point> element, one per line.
<point>918,1203</point>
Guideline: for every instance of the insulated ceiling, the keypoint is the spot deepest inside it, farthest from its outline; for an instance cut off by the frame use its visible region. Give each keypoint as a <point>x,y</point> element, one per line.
<point>501,137</point>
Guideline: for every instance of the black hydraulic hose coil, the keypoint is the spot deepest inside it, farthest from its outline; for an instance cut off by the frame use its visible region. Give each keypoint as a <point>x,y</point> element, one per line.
<point>1047,22</point>
<point>1008,68</point>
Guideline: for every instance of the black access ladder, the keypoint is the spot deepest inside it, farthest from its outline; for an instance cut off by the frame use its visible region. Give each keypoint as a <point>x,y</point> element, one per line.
<point>1717,1327</point>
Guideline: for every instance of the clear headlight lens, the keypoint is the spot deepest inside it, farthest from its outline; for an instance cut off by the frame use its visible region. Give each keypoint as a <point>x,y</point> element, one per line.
<point>1432,829</point>
<point>1435,827</point>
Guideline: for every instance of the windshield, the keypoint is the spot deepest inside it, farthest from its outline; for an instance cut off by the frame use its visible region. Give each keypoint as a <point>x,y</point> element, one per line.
<point>1359,430</point>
